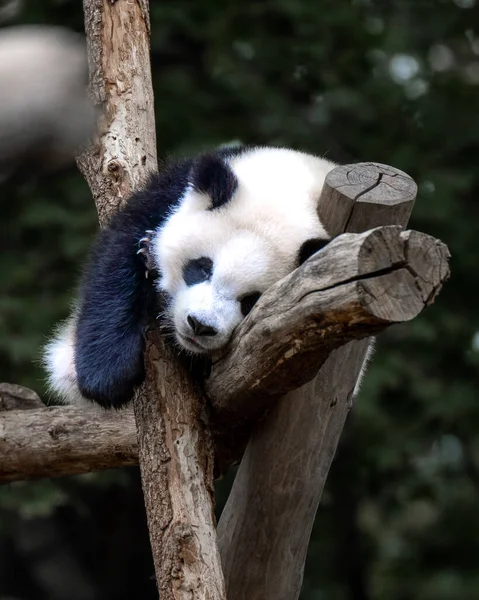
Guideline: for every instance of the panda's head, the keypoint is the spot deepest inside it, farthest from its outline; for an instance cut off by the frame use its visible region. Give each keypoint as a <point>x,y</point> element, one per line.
<point>245,220</point>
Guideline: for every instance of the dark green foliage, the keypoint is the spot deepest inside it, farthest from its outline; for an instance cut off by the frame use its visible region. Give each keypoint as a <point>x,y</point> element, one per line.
<point>395,81</point>
<point>47,228</point>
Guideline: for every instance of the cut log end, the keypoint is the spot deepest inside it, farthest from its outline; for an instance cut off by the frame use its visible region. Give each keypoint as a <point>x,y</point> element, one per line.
<point>17,397</point>
<point>373,182</point>
<point>411,268</point>
<point>365,195</point>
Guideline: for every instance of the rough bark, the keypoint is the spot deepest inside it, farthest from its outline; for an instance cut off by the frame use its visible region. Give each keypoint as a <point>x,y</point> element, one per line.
<point>176,448</point>
<point>13,396</point>
<point>122,156</point>
<point>175,453</point>
<point>58,441</point>
<point>280,480</point>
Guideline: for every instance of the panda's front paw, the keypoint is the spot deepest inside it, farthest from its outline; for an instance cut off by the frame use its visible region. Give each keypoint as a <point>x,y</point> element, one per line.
<point>144,244</point>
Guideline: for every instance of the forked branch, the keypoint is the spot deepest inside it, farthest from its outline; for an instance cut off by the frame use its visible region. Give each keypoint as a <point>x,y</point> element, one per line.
<point>357,286</point>
<point>354,288</point>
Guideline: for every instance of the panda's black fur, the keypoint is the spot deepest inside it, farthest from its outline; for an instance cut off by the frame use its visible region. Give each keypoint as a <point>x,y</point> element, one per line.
<point>117,299</point>
<point>115,277</point>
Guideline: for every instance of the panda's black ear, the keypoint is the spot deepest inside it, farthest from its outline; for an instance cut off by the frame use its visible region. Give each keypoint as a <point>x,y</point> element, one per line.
<point>212,176</point>
<point>309,248</point>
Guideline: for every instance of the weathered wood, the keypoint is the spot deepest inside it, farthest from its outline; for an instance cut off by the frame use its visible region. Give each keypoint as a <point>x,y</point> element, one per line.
<point>176,443</point>
<point>118,41</point>
<point>288,480</point>
<point>333,297</point>
<point>175,453</point>
<point>365,195</point>
<point>58,441</point>
<point>13,396</point>
<point>357,286</point>
<point>276,499</point>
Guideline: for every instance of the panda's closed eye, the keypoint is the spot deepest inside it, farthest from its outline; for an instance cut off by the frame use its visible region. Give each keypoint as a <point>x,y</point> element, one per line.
<point>198,270</point>
<point>247,302</point>
<point>310,247</point>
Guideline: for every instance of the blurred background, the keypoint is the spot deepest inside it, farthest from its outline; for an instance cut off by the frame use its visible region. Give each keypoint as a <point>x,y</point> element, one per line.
<point>390,81</point>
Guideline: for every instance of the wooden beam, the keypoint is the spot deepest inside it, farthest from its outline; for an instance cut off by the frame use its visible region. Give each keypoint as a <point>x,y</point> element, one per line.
<point>282,475</point>
<point>175,449</point>
<point>64,440</point>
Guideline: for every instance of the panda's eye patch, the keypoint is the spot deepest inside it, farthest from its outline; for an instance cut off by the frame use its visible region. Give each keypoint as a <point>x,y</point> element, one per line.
<point>247,302</point>
<point>198,270</point>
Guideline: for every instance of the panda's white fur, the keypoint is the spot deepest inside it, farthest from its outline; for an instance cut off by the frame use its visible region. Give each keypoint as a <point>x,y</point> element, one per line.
<point>59,361</point>
<point>252,238</point>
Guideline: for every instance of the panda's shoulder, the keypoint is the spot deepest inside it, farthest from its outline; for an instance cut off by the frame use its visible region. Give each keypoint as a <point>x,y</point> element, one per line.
<point>151,204</point>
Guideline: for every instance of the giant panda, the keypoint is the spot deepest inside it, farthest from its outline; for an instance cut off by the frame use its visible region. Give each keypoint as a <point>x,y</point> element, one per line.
<point>217,231</point>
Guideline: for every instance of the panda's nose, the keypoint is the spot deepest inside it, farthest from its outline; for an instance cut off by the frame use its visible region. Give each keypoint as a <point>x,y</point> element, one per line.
<point>200,328</point>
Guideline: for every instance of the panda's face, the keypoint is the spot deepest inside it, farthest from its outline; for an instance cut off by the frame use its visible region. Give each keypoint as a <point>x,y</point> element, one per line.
<point>239,227</point>
<point>218,289</point>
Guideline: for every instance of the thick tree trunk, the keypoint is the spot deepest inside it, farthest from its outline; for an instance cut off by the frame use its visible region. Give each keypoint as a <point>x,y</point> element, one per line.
<point>175,452</point>
<point>281,478</point>
<point>176,460</point>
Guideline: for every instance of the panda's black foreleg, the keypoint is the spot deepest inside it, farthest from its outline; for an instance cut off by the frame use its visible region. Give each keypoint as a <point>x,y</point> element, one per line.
<point>116,301</point>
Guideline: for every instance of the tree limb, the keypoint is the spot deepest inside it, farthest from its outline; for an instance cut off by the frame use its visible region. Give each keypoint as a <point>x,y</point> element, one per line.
<point>281,478</point>
<point>175,451</point>
<point>64,440</point>
<point>124,154</point>
<point>356,287</point>
<point>176,460</point>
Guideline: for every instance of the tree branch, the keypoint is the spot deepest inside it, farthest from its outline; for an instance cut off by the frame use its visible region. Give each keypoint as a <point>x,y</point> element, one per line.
<point>356,287</point>
<point>281,478</point>
<point>59,441</point>
<point>124,154</point>
<point>176,459</point>
<point>175,451</point>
